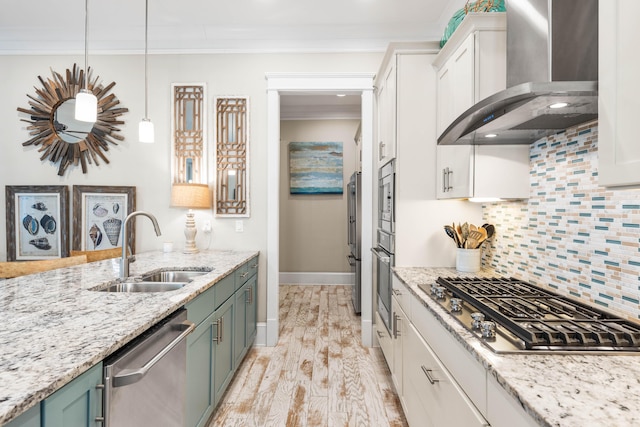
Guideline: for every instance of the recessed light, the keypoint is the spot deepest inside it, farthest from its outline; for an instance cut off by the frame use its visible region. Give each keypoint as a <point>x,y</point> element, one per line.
<point>559,105</point>
<point>491,135</point>
<point>341,95</point>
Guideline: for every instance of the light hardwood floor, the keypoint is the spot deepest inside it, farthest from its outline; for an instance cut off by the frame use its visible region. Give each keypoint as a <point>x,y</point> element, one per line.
<point>318,375</point>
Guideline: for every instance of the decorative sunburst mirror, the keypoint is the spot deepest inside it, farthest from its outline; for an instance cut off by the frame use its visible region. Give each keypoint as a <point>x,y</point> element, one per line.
<point>62,139</point>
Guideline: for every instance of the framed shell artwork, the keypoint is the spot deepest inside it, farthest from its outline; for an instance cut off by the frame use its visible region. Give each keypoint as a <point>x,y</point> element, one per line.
<point>98,214</point>
<point>37,222</point>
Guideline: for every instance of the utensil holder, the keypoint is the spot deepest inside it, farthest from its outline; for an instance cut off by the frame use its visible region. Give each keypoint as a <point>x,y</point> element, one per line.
<point>468,260</point>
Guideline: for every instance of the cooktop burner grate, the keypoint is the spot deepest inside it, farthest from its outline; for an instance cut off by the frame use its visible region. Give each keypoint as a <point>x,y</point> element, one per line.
<point>533,318</point>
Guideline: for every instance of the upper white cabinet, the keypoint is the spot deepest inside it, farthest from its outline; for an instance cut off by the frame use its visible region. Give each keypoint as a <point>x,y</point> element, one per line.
<point>483,171</point>
<point>471,66</point>
<point>619,93</point>
<point>386,85</point>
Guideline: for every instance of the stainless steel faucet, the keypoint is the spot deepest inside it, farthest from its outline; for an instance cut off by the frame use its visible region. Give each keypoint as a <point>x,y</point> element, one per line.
<point>124,262</point>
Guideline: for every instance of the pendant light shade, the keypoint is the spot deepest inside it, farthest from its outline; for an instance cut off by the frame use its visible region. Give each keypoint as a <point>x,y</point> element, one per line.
<point>86,106</point>
<point>86,102</point>
<point>146,132</point>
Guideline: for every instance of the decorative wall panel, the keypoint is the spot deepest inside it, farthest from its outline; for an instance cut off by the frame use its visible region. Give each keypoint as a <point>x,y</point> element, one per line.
<point>189,133</point>
<point>232,156</point>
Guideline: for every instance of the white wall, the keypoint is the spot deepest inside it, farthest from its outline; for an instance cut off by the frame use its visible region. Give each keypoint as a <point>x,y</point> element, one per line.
<point>148,166</point>
<point>313,228</point>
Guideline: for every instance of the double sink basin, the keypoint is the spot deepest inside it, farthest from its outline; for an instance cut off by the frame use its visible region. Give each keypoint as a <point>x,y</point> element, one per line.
<point>160,281</point>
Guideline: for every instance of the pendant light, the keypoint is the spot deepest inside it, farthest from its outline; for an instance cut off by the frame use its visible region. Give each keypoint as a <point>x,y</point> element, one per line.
<point>86,101</point>
<point>145,128</point>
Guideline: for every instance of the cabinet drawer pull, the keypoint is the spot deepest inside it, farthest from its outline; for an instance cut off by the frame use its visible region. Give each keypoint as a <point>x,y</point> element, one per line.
<point>444,179</point>
<point>395,325</point>
<point>396,292</point>
<point>101,388</point>
<point>254,266</point>
<point>449,173</point>
<point>245,274</point>
<point>428,372</point>
<point>380,334</point>
<point>219,329</point>
<point>249,292</point>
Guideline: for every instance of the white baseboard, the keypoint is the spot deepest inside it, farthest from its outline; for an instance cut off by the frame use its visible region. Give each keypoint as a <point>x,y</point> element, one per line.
<point>261,335</point>
<point>317,278</point>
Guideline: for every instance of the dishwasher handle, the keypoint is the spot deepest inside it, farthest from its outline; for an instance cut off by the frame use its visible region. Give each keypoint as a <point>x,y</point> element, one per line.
<point>131,376</point>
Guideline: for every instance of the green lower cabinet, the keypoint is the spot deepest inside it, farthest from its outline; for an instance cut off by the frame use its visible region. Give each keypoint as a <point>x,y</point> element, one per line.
<point>77,404</point>
<point>242,296</point>
<point>246,314</point>
<point>223,360</point>
<point>200,373</point>
<point>251,316</point>
<point>31,418</point>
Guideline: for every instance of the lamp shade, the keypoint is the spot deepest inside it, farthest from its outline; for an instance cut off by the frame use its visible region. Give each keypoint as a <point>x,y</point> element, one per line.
<point>191,196</point>
<point>145,131</point>
<point>86,106</point>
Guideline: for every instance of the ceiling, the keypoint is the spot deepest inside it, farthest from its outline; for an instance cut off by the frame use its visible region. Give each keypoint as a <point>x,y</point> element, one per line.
<point>56,27</point>
<point>190,26</point>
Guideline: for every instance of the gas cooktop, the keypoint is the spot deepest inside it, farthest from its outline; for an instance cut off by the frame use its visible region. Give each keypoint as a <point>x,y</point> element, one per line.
<point>512,316</point>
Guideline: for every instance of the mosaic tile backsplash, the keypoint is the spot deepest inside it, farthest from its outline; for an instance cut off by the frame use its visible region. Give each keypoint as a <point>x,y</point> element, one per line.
<point>572,235</point>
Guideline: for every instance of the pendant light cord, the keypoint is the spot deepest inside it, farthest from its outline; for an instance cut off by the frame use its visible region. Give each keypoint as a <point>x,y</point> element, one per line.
<point>86,44</point>
<point>146,76</point>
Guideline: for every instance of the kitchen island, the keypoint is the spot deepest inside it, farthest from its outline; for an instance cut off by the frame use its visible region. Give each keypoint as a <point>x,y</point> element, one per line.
<point>553,389</point>
<point>55,327</point>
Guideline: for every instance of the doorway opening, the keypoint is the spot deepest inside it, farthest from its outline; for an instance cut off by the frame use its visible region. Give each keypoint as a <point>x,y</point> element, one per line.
<point>283,84</point>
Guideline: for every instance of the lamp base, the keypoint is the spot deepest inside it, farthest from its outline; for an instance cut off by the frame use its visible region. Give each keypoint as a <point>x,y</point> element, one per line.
<point>190,232</point>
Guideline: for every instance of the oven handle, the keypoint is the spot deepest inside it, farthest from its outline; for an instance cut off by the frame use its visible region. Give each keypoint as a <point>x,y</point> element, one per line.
<point>381,255</point>
<point>131,376</point>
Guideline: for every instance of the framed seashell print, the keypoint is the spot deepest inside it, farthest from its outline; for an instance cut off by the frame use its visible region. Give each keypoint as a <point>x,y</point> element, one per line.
<point>98,214</point>
<point>37,222</point>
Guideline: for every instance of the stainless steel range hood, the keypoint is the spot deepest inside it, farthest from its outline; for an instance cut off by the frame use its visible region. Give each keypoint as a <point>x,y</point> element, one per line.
<point>552,59</point>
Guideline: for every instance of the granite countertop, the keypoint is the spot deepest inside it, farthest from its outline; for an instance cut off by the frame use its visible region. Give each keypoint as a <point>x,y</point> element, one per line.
<point>54,327</point>
<point>556,390</point>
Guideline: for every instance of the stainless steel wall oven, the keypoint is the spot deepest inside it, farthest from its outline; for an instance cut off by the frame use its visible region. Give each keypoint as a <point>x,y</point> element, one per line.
<point>384,251</point>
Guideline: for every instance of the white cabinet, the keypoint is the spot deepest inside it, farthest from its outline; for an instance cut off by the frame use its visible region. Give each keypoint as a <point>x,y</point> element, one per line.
<point>503,410</point>
<point>619,93</point>
<point>455,85</point>
<point>483,171</point>
<point>387,112</point>
<point>399,324</point>
<point>471,66</point>
<point>435,395</point>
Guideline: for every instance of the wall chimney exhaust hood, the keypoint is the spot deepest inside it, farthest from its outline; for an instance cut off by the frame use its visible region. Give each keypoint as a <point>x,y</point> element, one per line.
<point>552,76</point>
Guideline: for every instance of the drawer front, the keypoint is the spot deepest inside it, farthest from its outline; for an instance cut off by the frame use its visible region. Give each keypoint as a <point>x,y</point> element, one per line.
<point>223,290</point>
<point>439,394</point>
<point>467,371</point>
<point>246,271</point>
<point>384,338</point>
<point>242,275</point>
<point>201,307</point>
<point>402,294</point>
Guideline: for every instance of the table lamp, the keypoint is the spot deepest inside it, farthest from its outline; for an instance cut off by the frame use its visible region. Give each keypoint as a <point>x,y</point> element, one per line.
<point>191,196</point>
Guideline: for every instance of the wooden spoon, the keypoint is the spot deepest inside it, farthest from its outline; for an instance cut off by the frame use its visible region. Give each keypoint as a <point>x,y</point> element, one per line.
<point>490,230</point>
<point>475,239</point>
<point>451,233</point>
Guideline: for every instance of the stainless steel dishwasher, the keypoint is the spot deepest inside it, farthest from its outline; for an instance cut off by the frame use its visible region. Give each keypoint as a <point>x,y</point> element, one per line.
<point>145,382</point>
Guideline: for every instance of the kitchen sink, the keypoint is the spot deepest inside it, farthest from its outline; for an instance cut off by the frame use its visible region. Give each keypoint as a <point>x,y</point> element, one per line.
<point>143,287</point>
<point>173,276</point>
<point>159,281</point>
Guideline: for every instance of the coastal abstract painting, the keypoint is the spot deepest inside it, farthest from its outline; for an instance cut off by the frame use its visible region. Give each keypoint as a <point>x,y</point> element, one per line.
<point>315,168</point>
